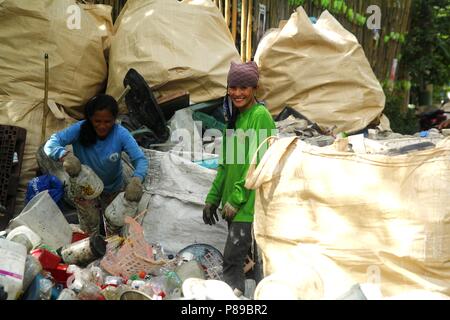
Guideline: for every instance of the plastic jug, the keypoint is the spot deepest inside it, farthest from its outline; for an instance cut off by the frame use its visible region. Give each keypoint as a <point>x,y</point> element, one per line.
<point>84,251</point>
<point>26,236</point>
<point>12,267</point>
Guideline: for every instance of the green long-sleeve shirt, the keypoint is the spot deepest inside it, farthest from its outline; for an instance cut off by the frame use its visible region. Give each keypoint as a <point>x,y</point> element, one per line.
<point>252,127</point>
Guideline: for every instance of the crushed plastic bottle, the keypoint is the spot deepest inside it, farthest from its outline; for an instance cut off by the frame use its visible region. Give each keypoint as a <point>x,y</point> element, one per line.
<point>67,294</point>
<point>45,289</point>
<point>97,275</point>
<point>158,252</point>
<point>137,284</point>
<point>79,277</point>
<point>159,287</point>
<point>175,295</point>
<point>173,282</point>
<point>90,291</point>
<point>114,292</point>
<point>32,268</point>
<point>114,280</point>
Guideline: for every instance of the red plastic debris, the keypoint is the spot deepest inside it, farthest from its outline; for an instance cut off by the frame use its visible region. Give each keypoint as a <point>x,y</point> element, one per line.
<point>77,236</point>
<point>47,259</point>
<point>60,274</point>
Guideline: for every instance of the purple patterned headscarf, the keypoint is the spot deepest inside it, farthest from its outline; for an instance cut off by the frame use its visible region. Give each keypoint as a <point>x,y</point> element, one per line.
<point>243,75</point>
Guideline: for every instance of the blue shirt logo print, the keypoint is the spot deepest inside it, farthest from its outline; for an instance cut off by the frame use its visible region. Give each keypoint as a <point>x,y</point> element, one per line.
<point>114,157</point>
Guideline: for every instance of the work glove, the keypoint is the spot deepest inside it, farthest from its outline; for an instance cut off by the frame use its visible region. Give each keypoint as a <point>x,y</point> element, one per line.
<point>210,213</point>
<point>133,191</point>
<point>229,212</point>
<point>71,165</point>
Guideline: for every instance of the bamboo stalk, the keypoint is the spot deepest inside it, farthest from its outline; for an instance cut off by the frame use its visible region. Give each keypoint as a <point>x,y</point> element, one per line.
<point>227,12</point>
<point>243,29</point>
<point>249,31</point>
<point>45,106</point>
<point>405,27</point>
<point>234,20</point>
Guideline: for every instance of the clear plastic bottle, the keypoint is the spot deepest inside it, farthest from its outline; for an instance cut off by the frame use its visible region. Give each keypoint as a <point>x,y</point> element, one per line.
<point>113,292</point>
<point>113,280</point>
<point>158,252</point>
<point>97,275</point>
<point>45,289</point>
<point>90,292</point>
<point>172,282</point>
<point>32,268</point>
<point>159,287</point>
<point>137,284</point>
<point>67,294</point>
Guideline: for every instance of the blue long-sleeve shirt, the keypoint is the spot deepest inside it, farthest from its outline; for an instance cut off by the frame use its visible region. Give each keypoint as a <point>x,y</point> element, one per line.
<point>104,157</point>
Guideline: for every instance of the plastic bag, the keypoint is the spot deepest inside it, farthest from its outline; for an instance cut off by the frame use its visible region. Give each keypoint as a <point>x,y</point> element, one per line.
<point>46,182</point>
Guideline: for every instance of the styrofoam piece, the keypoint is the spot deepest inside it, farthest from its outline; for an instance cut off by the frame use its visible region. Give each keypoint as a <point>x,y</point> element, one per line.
<point>43,216</point>
<point>198,289</point>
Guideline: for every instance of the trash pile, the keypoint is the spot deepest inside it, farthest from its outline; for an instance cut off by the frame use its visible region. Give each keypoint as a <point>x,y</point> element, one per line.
<point>45,258</point>
<point>334,171</point>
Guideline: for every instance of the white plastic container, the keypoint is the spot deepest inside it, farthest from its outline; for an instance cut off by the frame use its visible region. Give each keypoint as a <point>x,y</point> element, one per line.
<point>23,231</point>
<point>43,216</point>
<point>119,208</point>
<point>84,251</point>
<point>12,267</point>
<point>86,185</point>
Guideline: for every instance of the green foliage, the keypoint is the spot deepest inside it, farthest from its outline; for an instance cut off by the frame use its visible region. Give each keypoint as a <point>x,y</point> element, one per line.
<point>426,52</point>
<point>341,7</point>
<point>296,2</point>
<point>401,122</point>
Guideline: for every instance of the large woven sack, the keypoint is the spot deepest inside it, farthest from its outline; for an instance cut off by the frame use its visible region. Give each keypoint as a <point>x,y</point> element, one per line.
<point>77,62</point>
<point>174,45</point>
<point>373,218</point>
<point>321,71</point>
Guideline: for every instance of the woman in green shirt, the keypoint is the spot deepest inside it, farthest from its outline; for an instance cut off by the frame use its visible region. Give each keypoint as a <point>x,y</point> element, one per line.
<point>250,123</point>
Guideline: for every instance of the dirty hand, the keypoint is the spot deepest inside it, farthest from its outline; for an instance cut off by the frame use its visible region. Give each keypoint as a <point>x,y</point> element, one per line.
<point>71,165</point>
<point>228,212</point>
<point>209,213</point>
<point>133,191</point>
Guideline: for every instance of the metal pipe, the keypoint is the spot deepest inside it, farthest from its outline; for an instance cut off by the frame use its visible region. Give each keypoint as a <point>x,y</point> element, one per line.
<point>123,94</point>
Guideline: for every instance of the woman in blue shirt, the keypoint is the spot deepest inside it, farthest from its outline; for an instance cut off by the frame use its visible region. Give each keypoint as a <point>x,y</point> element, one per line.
<point>98,142</point>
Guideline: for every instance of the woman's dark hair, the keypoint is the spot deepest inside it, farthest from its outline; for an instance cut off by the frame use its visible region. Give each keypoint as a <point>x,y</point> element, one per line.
<point>88,136</point>
<point>233,119</point>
